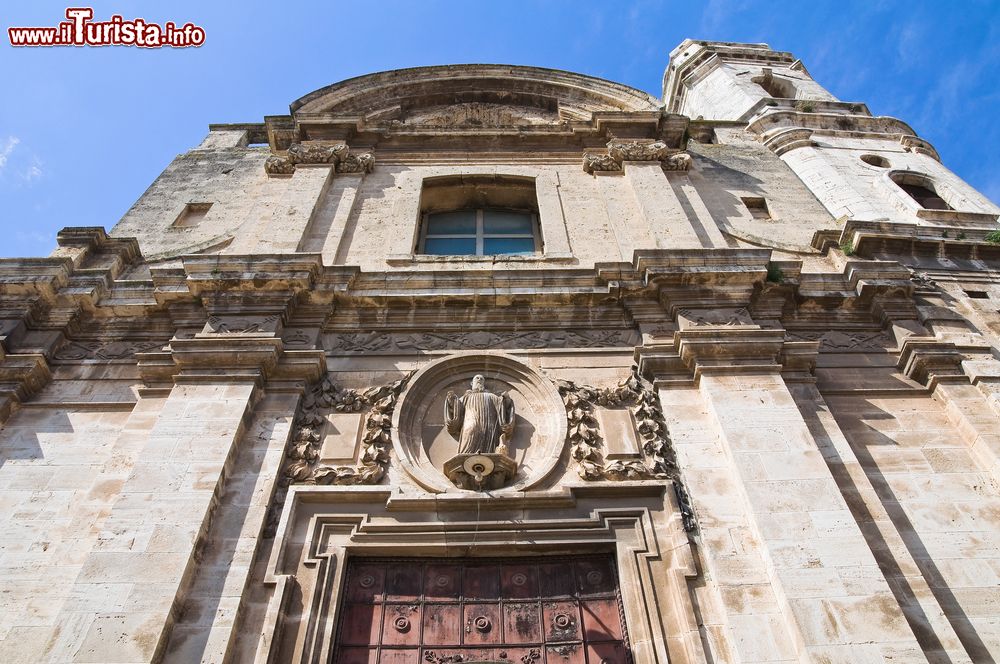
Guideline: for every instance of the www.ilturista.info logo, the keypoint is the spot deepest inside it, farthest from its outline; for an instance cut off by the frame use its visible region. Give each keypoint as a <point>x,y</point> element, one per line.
<point>80,30</point>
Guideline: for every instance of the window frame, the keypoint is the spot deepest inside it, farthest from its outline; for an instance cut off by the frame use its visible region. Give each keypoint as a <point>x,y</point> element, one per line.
<point>480,234</point>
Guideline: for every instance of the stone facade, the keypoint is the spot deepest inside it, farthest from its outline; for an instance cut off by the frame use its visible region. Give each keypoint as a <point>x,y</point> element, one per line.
<point>748,386</point>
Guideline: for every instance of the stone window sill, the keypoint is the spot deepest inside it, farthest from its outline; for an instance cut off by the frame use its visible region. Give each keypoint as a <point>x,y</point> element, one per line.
<point>425,259</point>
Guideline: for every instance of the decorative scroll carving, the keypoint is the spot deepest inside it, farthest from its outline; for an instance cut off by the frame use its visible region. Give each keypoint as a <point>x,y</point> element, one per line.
<point>275,165</point>
<point>586,440</point>
<point>835,340</point>
<point>637,151</point>
<point>356,163</point>
<point>600,162</point>
<point>337,155</point>
<point>477,115</point>
<point>310,153</point>
<point>721,317</point>
<point>680,161</point>
<point>388,342</point>
<point>375,443</point>
<point>621,151</point>
<point>241,324</point>
<point>923,281</point>
<point>104,350</point>
<point>298,339</point>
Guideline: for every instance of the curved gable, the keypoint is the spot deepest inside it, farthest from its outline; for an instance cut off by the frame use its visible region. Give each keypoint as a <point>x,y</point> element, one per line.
<point>483,95</point>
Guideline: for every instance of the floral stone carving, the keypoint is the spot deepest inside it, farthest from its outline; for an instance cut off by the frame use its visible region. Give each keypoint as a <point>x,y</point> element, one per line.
<point>638,151</point>
<point>338,155</point>
<point>307,437</point>
<point>586,440</point>
<point>621,151</point>
<point>356,163</point>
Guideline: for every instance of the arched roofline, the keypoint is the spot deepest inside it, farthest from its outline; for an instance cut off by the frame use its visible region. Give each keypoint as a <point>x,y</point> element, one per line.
<point>574,94</point>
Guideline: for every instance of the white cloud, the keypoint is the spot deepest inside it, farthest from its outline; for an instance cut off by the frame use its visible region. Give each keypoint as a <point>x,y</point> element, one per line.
<point>33,172</point>
<point>8,147</point>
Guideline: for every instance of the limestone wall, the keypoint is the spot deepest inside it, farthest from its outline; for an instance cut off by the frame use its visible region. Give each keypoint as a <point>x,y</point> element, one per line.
<point>373,220</point>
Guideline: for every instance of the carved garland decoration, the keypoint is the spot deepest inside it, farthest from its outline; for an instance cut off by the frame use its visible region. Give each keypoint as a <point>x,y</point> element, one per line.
<point>308,434</point>
<point>585,438</point>
<point>338,155</point>
<point>105,350</point>
<point>621,151</point>
<point>378,341</point>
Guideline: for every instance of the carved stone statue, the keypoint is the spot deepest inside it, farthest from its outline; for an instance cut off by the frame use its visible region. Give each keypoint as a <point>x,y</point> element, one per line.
<point>481,420</point>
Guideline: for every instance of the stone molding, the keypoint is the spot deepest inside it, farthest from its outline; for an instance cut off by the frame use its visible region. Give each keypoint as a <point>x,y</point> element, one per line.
<point>222,358</point>
<point>652,552</point>
<point>919,145</point>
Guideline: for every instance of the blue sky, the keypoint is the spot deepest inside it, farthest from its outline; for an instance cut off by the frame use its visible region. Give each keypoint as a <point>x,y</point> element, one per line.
<point>83,131</point>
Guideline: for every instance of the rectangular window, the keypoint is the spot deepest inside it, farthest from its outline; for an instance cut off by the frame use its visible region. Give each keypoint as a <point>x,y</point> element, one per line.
<point>480,232</point>
<point>757,207</point>
<point>191,215</point>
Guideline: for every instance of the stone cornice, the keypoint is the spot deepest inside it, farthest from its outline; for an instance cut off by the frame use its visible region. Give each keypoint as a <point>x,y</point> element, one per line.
<point>719,349</point>
<point>21,376</point>
<point>930,361</point>
<point>680,288</point>
<point>255,273</point>
<point>883,238</point>
<point>369,133</point>
<point>220,358</point>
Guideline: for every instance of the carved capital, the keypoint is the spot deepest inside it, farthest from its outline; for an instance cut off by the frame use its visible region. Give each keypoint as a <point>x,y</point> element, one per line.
<point>275,165</point>
<point>356,163</point>
<point>680,161</point>
<point>621,151</point>
<point>638,151</point>
<point>310,153</point>
<point>337,155</point>
<point>600,162</point>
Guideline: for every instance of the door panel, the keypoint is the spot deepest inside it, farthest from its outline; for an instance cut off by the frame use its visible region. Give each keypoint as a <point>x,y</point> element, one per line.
<point>553,610</point>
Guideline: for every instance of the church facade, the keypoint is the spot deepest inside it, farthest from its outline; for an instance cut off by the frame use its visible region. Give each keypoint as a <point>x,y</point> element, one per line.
<point>487,363</point>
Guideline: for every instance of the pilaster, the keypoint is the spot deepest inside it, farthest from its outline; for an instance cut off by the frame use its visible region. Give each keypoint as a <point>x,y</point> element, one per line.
<point>771,464</point>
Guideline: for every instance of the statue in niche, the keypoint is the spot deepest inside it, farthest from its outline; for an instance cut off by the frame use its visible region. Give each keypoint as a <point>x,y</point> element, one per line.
<point>480,420</point>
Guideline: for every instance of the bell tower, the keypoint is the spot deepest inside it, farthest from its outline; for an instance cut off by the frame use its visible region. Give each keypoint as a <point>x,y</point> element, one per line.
<point>727,81</point>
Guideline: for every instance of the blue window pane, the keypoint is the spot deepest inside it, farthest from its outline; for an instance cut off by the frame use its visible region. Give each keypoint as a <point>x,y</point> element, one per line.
<point>462,222</point>
<point>506,223</point>
<point>450,246</point>
<point>508,245</point>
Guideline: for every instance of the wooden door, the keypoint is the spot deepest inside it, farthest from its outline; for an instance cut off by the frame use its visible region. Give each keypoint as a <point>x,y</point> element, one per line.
<point>556,610</point>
